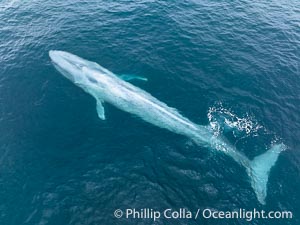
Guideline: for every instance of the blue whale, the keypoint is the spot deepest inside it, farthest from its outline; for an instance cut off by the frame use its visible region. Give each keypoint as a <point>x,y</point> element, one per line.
<point>105,86</point>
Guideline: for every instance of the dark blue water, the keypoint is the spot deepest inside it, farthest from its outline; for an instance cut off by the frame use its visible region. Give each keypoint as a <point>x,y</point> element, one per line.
<point>60,164</point>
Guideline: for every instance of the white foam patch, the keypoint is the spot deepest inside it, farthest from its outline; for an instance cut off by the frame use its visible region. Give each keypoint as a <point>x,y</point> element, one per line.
<point>222,119</point>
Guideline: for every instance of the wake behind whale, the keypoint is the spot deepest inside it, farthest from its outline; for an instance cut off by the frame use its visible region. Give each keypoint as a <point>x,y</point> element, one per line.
<point>105,86</point>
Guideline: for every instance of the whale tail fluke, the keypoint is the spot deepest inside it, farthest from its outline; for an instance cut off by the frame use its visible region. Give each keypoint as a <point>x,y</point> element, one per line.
<point>260,168</point>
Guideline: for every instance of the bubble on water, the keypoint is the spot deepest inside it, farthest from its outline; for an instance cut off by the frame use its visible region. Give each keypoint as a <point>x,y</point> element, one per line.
<point>224,120</point>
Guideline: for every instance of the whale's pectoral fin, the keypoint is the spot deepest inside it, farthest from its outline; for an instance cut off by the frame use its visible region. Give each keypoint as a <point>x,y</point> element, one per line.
<point>260,168</point>
<point>100,109</point>
<point>129,77</point>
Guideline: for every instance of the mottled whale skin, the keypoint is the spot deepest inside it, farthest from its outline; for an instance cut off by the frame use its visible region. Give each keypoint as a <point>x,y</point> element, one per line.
<point>105,86</point>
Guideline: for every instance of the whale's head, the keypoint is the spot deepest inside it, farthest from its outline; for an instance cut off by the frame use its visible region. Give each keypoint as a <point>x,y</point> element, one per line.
<point>69,65</point>
<point>83,73</point>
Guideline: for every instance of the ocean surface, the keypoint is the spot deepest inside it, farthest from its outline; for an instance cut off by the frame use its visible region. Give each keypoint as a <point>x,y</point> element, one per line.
<point>214,61</point>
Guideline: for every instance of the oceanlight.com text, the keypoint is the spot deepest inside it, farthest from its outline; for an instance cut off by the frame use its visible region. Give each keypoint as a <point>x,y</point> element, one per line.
<point>248,215</point>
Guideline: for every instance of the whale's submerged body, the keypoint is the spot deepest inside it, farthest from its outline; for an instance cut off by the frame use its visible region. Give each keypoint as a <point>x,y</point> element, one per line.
<point>108,87</point>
